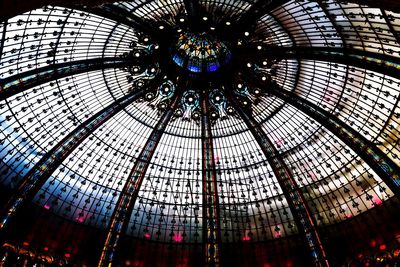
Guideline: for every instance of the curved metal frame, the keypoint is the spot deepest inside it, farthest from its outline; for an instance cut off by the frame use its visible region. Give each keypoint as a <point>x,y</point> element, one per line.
<point>387,170</point>
<point>21,82</point>
<point>211,217</point>
<point>370,153</point>
<point>126,201</point>
<point>381,63</point>
<point>291,191</point>
<point>40,173</point>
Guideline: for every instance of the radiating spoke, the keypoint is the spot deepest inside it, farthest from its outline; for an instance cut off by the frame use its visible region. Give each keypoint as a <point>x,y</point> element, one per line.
<point>40,173</point>
<point>291,191</point>
<point>26,80</point>
<point>124,206</point>
<point>389,22</point>
<point>211,218</point>
<point>388,171</point>
<point>382,63</point>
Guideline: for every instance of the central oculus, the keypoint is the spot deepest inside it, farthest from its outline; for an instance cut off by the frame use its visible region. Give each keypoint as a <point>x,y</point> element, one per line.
<point>199,53</point>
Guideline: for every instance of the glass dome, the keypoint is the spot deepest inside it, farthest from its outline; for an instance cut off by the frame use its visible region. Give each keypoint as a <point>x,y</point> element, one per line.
<point>200,53</point>
<point>297,130</point>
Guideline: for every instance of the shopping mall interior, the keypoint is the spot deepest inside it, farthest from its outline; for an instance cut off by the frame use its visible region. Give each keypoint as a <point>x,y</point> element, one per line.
<point>189,133</point>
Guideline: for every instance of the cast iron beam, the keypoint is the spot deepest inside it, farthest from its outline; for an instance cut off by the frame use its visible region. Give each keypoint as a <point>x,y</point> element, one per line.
<point>378,161</point>
<point>211,216</point>
<point>389,19</point>
<point>123,209</point>
<point>18,83</point>
<point>290,189</point>
<point>381,63</point>
<point>34,180</point>
<point>382,165</point>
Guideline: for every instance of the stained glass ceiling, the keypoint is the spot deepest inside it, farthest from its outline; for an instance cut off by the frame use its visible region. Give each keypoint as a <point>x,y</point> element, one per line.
<point>61,66</point>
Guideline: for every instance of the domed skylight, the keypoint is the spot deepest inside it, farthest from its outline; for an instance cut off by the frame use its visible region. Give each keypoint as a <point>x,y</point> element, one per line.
<point>232,121</point>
